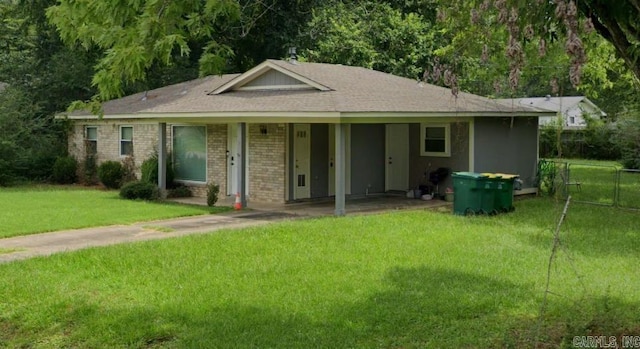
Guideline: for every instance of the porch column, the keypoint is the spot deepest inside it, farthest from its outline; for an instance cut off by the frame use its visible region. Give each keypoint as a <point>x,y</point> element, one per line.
<point>340,163</point>
<point>162,159</point>
<point>242,163</point>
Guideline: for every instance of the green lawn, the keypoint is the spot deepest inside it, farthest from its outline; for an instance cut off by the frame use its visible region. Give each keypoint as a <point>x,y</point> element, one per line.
<point>30,210</point>
<point>405,279</point>
<point>601,182</point>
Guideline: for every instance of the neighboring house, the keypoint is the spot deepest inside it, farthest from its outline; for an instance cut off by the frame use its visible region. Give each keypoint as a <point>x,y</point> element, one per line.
<point>286,131</point>
<point>574,110</point>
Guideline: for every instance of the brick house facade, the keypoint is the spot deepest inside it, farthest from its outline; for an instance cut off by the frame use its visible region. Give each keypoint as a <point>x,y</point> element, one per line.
<point>311,130</point>
<point>267,157</point>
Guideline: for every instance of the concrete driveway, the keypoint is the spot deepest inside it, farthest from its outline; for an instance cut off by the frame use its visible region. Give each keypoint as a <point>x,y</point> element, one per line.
<point>29,246</point>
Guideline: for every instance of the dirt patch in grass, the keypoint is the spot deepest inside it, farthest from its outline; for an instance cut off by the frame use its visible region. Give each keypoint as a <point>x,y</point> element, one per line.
<point>8,332</point>
<point>573,331</point>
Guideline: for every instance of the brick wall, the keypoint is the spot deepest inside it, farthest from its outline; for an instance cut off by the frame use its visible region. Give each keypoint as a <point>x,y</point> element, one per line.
<point>267,154</point>
<point>145,141</point>
<point>267,163</point>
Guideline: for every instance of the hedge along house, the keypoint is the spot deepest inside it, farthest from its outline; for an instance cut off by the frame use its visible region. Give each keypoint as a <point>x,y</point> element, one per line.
<point>286,131</point>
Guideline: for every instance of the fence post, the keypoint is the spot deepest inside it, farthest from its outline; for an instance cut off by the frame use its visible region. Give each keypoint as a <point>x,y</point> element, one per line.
<point>616,196</point>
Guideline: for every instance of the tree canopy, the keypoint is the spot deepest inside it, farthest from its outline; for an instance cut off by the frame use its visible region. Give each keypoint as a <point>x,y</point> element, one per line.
<point>542,24</point>
<point>617,22</point>
<point>136,34</point>
<point>53,52</point>
<point>369,34</point>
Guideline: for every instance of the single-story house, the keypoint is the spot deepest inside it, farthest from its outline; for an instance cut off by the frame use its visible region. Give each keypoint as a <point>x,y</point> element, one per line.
<point>285,131</point>
<point>574,110</point>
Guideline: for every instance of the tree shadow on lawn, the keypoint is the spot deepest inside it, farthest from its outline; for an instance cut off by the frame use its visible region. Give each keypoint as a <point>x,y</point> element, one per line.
<point>420,307</point>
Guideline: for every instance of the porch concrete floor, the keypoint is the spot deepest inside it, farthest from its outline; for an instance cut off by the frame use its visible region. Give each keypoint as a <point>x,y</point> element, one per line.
<point>326,206</point>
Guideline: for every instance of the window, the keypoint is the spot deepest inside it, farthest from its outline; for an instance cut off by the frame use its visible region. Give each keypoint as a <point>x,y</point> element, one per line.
<point>126,140</point>
<point>435,140</point>
<point>190,153</point>
<point>572,120</point>
<point>91,140</point>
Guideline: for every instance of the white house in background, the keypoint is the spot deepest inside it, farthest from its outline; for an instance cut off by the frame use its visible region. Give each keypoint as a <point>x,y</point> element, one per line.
<point>574,110</point>
<point>3,85</point>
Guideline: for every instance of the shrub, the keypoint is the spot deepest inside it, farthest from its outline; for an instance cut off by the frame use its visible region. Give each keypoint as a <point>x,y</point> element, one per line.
<point>547,173</point>
<point>595,141</point>
<point>64,170</point>
<point>7,156</point>
<point>179,192</point>
<point>139,190</point>
<point>149,170</point>
<point>212,194</point>
<point>110,174</point>
<point>129,170</point>
<point>89,170</point>
<point>628,139</point>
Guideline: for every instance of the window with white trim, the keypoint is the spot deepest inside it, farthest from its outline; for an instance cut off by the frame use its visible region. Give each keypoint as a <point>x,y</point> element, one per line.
<point>126,140</point>
<point>91,139</point>
<point>435,139</point>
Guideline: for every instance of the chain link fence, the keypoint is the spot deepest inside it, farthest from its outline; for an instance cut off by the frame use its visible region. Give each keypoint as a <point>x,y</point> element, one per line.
<point>605,185</point>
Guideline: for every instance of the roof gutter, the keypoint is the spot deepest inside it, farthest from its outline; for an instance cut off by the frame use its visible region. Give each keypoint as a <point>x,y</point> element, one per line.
<point>305,117</point>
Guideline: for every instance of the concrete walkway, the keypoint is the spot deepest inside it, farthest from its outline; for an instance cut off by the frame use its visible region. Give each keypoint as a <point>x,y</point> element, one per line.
<point>68,240</point>
<point>60,241</point>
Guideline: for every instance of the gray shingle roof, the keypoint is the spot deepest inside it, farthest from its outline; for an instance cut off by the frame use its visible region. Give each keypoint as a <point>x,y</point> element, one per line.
<point>351,90</point>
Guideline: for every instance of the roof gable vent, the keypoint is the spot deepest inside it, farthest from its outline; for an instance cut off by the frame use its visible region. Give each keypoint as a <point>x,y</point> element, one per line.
<point>270,76</point>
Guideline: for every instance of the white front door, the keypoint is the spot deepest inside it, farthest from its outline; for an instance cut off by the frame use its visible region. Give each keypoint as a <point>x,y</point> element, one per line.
<point>397,157</point>
<point>332,158</point>
<point>233,155</point>
<point>301,161</point>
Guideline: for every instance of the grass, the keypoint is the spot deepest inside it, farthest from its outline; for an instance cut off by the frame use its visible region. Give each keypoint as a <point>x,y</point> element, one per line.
<point>602,183</point>
<point>31,210</point>
<point>9,250</point>
<point>407,279</point>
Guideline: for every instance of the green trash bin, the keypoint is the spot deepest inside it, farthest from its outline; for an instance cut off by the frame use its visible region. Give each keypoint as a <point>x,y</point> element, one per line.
<point>504,193</point>
<point>490,194</point>
<point>468,192</point>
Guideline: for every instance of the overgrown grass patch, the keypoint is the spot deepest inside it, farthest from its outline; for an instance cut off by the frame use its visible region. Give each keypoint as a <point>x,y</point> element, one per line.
<point>403,279</point>
<point>9,250</point>
<point>31,210</point>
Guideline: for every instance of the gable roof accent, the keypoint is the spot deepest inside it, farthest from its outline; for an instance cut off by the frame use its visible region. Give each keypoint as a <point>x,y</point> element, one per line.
<point>555,104</point>
<point>242,81</point>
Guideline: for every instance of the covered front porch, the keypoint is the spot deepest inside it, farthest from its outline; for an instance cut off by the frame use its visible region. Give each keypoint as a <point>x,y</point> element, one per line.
<point>324,164</point>
<point>326,206</point>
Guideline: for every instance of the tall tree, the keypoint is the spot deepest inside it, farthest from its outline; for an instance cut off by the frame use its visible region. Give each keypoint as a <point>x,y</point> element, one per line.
<point>369,34</point>
<point>137,35</point>
<point>544,22</point>
<point>44,76</point>
<point>617,21</point>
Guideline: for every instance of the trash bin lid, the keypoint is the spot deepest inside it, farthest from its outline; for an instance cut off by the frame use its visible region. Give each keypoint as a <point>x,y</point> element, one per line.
<point>469,175</point>
<point>507,176</point>
<point>492,175</point>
